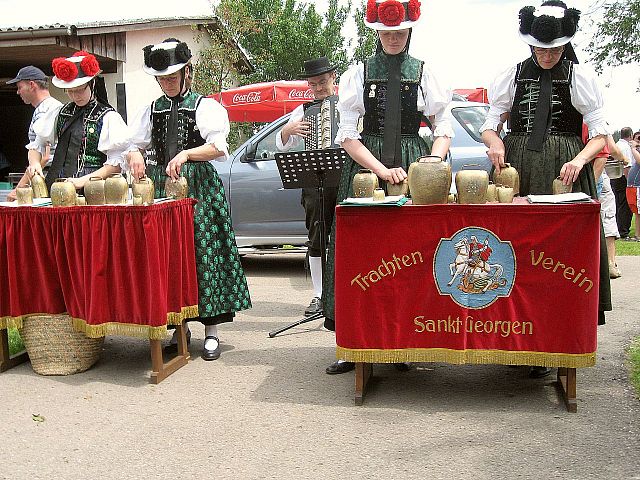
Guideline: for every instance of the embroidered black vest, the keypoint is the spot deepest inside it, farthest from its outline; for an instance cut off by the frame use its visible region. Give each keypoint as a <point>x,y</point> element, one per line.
<point>188,133</point>
<point>564,117</point>
<point>89,155</point>
<point>375,89</point>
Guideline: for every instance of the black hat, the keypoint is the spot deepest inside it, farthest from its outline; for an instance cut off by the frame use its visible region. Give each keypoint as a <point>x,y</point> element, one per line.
<point>548,26</point>
<point>317,66</point>
<point>28,73</point>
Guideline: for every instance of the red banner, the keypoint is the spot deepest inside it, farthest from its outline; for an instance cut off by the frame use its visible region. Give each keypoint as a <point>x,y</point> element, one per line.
<point>115,269</point>
<point>495,283</point>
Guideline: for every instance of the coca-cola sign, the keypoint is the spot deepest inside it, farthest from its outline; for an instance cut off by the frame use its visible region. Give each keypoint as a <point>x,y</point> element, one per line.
<point>301,94</point>
<point>251,97</point>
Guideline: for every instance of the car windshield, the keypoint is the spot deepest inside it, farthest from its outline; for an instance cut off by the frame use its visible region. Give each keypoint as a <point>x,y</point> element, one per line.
<point>471,118</point>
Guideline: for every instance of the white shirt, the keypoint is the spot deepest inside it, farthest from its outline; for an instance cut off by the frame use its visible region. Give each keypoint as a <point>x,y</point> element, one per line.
<point>42,108</point>
<point>113,140</point>
<point>212,121</point>
<point>625,148</point>
<point>586,97</point>
<point>294,140</point>
<point>433,99</point>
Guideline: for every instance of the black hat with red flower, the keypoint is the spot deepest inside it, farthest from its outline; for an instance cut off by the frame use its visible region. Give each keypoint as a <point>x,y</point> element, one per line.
<point>392,14</point>
<point>74,71</point>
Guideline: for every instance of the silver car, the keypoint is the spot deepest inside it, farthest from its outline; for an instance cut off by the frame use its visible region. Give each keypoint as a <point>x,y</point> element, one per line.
<point>266,216</point>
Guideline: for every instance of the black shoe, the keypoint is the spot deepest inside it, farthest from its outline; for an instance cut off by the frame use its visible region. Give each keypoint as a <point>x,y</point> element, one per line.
<point>173,347</point>
<point>211,354</point>
<point>539,372</point>
<point>403,366</point>
<point>340,367</point>
<point>314,307</point>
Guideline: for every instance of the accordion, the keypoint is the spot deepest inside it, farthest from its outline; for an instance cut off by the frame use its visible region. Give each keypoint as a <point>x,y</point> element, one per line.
<point>323,116</point>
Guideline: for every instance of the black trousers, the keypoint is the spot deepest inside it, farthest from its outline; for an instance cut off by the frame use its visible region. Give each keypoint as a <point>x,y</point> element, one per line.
<point>311,203</point>
<point>623,212</point>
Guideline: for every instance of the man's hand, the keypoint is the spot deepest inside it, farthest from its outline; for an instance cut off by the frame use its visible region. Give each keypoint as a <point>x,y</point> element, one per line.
<point>136,164</point>
<point>301,128</point>
<point>11,196</point>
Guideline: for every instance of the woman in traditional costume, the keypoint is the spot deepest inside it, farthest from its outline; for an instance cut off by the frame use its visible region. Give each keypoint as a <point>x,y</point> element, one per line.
<point>180,134</point>
<point>546,98</point>
<point>90,135</point>
<point>392,92</point>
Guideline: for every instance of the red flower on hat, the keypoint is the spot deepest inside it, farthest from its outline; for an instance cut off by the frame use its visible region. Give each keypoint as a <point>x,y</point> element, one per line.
<point>90,65</point>
<point>64,69</point>
<point>372,11</point>
<point>391,13</point>
<point>414,10</point>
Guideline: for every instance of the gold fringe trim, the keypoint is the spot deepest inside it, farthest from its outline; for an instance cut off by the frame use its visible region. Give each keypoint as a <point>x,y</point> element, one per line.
<point>176,318</point>
<point>124,329</point>
<point>113,328</point>
<point>458,357</point>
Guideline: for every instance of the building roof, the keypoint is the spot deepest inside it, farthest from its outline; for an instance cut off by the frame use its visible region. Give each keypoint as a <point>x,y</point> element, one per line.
<point>43,14</point>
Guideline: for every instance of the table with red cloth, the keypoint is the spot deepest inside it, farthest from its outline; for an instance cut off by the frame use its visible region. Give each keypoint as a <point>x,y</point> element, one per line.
<point>513,284</point>
<point>116,270</point>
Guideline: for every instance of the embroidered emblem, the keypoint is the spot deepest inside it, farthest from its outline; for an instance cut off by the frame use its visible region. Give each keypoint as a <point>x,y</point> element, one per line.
<point>474,267</point>
<point>372,90</point>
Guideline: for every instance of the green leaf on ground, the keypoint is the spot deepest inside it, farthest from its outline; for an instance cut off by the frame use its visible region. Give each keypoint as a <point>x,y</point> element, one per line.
<point>36,417</point>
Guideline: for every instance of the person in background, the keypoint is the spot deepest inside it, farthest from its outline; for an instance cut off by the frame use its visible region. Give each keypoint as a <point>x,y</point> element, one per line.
<point>607,198</point>
<point>90,136</point>
<point>619,185</point>
<point>391,92</point>
<point>33,89</point>
<point>546,99</point>
<point>180,134</point>
<point>321,77</point>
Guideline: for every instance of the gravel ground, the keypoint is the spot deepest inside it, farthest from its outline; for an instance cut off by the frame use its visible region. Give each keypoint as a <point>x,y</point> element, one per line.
<point>266,409</point>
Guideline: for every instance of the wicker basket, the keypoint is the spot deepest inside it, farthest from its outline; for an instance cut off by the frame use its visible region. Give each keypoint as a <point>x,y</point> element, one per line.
<point>55,348</point>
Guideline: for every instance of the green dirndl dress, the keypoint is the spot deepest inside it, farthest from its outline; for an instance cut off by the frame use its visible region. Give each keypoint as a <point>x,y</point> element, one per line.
<point>222,286</point>
<point>537,171</point>
<point>412,148</point>
<point>563,142</point>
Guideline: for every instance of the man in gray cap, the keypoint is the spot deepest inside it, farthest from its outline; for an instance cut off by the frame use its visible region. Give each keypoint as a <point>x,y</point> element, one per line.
<point>33,88</point>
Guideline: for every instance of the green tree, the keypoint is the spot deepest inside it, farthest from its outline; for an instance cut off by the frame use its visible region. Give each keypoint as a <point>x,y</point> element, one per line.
<point>366,37</point>
<point>280,35</point>
<point>617,38</point>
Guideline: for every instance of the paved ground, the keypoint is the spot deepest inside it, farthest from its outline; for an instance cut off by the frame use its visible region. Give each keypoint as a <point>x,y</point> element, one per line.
<point>266,409</point>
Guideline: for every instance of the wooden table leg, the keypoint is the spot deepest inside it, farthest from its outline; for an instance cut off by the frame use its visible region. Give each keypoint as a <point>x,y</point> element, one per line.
<point>567,385</point>
<point>7,361</point>
<point>364,371</point>
<point>161,370</point>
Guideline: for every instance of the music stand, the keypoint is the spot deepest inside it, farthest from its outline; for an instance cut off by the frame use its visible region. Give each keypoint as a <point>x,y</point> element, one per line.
<point>311,169</point>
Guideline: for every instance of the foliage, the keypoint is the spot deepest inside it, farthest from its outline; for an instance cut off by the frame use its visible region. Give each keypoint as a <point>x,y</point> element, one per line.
<point>280,35</point>
<point>617,38</point>
<point>626,248</point>
<point>366,37</point>
<point>15,342</point>
<point>634,360</point>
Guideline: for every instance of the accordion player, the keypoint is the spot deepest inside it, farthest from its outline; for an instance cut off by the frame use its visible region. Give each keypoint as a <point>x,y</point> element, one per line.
<point>323,118</point>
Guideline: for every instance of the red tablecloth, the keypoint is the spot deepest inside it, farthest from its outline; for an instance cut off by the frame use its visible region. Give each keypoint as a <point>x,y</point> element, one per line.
<point>126,270</point>
<point>496,283</point>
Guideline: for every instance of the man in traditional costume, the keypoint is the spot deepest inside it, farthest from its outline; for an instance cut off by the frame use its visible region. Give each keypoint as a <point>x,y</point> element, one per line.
<point>321,76</point>
<point>180,134</point>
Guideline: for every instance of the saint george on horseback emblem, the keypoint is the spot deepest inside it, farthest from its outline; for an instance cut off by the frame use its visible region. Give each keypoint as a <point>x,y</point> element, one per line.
<point>474,267</point>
